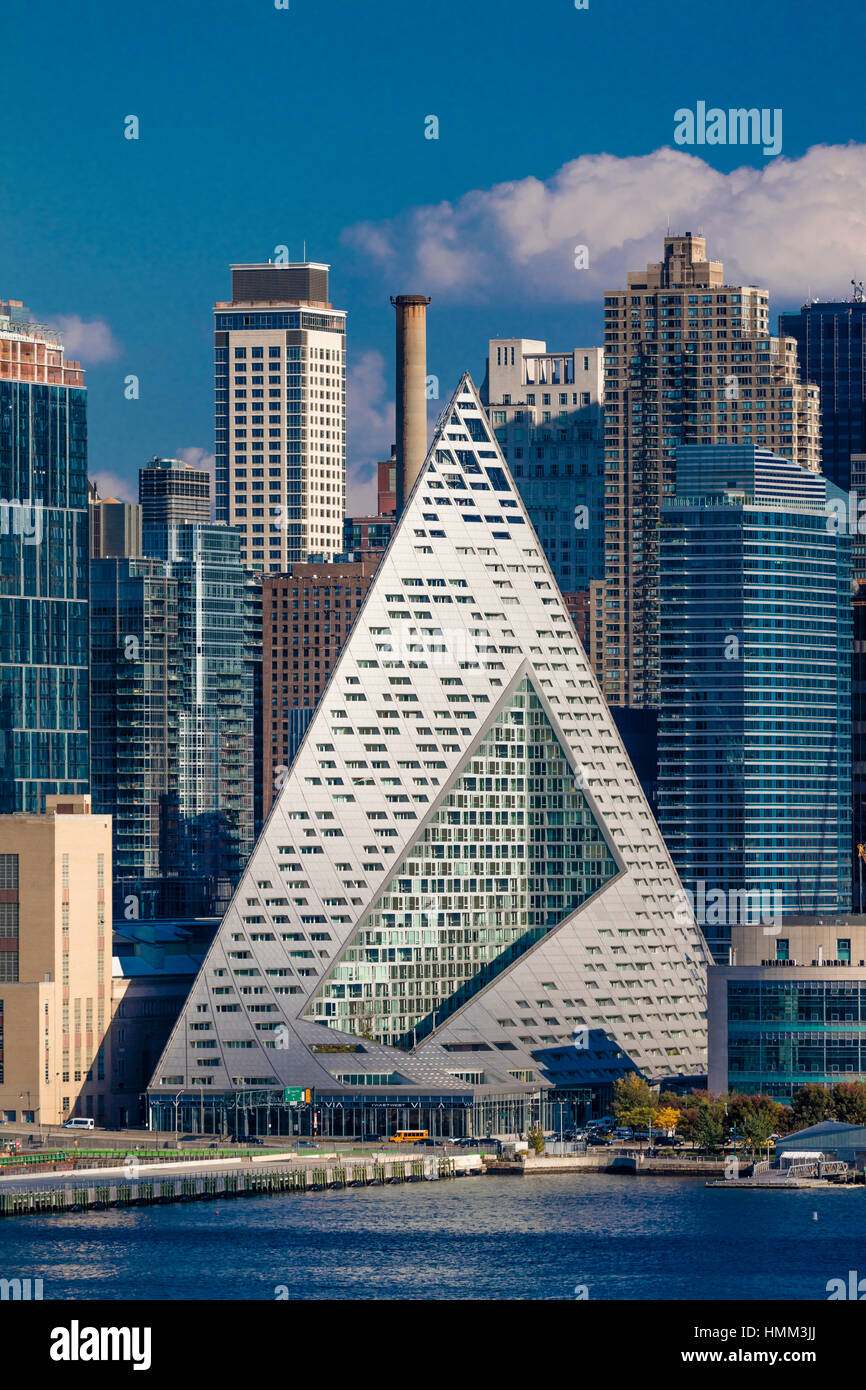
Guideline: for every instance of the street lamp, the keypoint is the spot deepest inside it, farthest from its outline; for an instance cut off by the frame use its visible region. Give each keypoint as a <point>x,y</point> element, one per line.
<point>37,1111</point>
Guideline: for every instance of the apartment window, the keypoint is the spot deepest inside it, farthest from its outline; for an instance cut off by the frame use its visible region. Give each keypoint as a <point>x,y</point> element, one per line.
<point>9,966</point>
<point>782,951</point>
<point>843,949</point>
<point>8,870</point>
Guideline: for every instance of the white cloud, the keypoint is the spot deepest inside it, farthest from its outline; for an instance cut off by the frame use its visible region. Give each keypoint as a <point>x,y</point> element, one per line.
<point>88,340</point>
<point>796,226</point>
<point>201,458</point>
<point>113,485</point>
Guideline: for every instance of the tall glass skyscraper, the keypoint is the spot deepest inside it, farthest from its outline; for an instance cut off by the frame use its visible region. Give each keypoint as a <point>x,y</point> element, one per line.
<point>755,718</point>
<point>176,643</point>
<point>831,348</point>
<point>134,731</point>
<point>44,714</point>
<point>216,772</point>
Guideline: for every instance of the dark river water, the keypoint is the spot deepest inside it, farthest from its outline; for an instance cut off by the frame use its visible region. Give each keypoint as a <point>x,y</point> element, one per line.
<point>474,1238</point>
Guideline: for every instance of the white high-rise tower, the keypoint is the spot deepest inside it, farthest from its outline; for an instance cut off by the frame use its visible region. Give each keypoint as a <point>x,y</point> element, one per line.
<point>280,413</point>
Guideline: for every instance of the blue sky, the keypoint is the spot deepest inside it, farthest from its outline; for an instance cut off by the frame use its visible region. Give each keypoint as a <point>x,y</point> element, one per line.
<point>261,127</point>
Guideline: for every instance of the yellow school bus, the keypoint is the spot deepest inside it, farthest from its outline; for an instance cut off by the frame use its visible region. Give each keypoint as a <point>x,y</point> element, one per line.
<point>408,1136</point>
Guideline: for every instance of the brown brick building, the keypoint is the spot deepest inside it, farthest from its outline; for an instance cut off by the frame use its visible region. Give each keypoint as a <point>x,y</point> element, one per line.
<point>306,616</point>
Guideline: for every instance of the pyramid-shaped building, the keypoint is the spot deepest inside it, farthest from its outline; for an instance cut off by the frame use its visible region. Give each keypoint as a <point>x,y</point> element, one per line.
<point>460,902</point>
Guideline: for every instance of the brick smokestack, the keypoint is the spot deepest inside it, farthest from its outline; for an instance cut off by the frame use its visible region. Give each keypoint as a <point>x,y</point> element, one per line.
<point>411,391</point>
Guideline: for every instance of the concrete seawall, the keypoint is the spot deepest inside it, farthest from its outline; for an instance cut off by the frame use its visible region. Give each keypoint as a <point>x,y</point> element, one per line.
<point>610,1163</point>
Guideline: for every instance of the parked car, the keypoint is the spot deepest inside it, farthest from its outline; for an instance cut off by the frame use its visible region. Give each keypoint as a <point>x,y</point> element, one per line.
<point>603,1140</point>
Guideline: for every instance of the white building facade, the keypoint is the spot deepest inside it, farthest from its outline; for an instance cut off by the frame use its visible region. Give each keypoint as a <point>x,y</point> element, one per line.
<point>460,897</point>
<point>280,414</point>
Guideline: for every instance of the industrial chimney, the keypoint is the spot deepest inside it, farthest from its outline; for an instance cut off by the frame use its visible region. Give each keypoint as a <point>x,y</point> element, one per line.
<point>411,391</point>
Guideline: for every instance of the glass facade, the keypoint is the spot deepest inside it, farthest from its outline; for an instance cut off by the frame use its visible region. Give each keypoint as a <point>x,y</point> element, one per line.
<point>44,712</point>
<point>511,852</point>
<point>216,713</point>
<point>176,651</point>
<point>755,720</point>
<point>134,732</point>
<point>830,347</point>
<point>858,747</point>
<point>783,1034</point>
<point>445,1115</point>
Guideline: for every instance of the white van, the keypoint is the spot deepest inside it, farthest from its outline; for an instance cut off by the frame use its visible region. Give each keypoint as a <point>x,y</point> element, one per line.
<point>79,1124</point>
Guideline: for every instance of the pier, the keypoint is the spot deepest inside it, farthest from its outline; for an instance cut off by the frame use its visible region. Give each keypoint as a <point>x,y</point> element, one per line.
<point>117,1188</point>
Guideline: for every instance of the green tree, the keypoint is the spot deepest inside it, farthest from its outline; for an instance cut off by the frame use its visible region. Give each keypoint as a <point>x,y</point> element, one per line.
<point>849,1102</point>
<point>812,1104</point>
<point>736,1107</point>
<point>632,1094</point>
<point>708,1128</point>
<point>762,1118</point>
<point>535,1138</point>
<point>639,1117</point>
<point>687,1123</point>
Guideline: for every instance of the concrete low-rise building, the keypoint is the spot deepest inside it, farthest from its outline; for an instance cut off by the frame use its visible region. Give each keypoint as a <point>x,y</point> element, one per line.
<point>55,922</point>
<point>789,1008</point>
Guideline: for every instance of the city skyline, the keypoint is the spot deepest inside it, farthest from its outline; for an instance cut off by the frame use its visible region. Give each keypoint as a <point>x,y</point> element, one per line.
<point>486,226</point>
<point>432,669</point>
